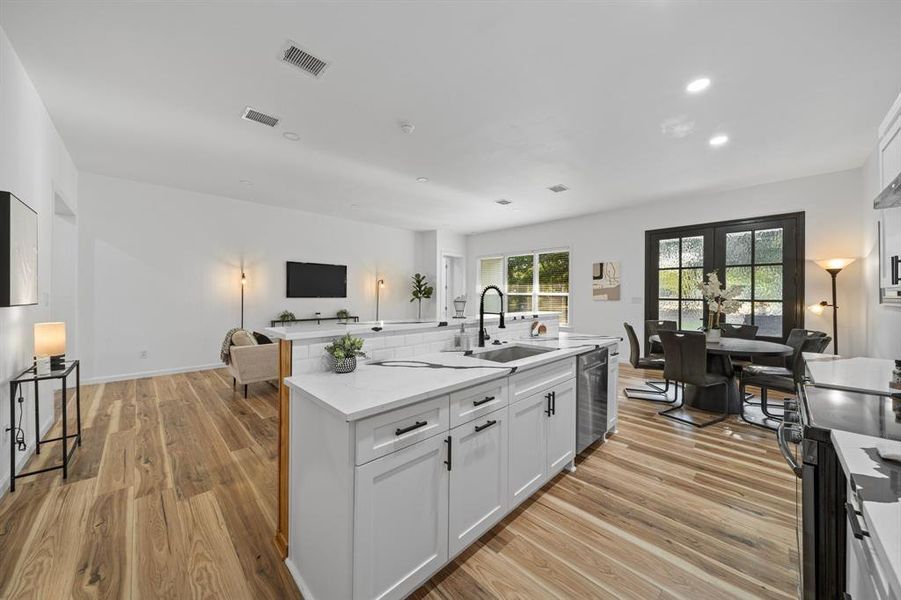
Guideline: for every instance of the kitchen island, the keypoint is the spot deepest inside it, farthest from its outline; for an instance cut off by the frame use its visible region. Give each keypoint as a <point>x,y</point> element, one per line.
<point>396,468</point>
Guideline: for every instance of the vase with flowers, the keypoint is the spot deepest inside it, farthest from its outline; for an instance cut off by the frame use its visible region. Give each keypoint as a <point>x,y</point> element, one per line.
<point>720,302</point>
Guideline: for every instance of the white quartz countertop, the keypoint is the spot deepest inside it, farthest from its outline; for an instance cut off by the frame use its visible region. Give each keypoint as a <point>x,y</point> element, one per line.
<point>364,328</point>
<point>859,374</point>
<point>385,385</point>
<point>878,482</point>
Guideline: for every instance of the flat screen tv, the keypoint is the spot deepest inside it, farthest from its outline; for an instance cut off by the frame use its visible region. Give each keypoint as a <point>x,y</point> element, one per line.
<point>315,280</point>
<point>18,252</point>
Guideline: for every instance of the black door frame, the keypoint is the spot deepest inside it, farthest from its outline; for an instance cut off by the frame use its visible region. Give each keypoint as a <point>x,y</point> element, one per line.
<point>793,301</point>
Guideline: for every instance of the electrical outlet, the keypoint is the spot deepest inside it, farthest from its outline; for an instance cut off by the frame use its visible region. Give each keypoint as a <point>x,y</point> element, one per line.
<point>142,354</point>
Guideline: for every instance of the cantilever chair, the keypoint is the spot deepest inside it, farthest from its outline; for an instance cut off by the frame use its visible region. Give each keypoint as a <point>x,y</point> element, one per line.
<point>654,393</point>
<point>655,349</point>
<point>685,355</point>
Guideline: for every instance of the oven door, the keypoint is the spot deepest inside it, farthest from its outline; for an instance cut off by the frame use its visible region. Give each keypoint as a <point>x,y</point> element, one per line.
<point>789,438</point>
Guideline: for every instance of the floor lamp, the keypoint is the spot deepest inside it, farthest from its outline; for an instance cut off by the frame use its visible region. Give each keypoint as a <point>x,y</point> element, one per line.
<point>833,266</point>
<point>243,283</point>
<point>378,293</point>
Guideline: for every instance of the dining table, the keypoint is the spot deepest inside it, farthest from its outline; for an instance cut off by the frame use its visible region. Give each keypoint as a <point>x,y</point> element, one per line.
<point>719,360</point>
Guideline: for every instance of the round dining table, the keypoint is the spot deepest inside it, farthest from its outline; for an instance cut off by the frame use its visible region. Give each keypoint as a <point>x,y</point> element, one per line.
<point>719,360</point>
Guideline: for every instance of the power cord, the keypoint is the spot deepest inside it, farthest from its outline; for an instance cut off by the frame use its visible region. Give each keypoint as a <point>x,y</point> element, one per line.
<point>18,432</point>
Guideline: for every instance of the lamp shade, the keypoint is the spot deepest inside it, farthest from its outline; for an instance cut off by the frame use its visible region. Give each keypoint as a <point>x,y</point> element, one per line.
<point>816,309</point>
<point>49,339</point>
<point>835,263</point>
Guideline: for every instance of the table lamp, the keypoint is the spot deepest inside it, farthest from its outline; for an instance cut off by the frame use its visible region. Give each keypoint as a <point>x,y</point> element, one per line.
<point>833,266</point>
<point>49,346</point>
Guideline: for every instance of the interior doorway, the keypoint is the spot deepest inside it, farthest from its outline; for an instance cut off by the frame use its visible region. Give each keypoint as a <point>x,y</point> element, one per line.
<point>63,301</point>
<point>453,284</point>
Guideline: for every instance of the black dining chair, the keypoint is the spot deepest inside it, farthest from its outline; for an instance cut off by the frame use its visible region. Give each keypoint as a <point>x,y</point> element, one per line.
<point>655,349</point>
<point>742,332</point>
<point>782,379</point>
<point>685,358</point>
<point>654,394</point>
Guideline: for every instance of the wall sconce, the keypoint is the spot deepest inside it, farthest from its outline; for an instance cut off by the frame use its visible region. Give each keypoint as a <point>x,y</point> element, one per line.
<point>833,266</point>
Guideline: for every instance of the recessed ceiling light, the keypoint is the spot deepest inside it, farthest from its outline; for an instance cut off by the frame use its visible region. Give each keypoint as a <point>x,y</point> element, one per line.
<point>290,135</point>
<point>503,202</point>
<point>698,85</point>
<point>355,206</point>
<point>558,188</point>
<point>422,179</point>
<point>246,182</point>
<point>719,140</point>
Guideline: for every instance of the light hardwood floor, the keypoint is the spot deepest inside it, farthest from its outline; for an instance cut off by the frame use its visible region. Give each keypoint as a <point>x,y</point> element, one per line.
<point>173,496</point>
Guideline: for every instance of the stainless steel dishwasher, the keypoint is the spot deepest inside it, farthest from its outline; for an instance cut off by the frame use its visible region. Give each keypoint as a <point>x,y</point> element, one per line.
<point>591,398</point>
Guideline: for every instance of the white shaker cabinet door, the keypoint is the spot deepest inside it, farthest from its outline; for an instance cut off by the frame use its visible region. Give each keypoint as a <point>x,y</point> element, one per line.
<point>612,388</point>
<point>528,447</point>
<point>400,520</point>
<point>478,478</point>
<point>561,434</point>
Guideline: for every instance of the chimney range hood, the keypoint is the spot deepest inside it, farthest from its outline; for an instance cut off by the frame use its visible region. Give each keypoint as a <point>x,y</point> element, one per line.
<point>890,196</point>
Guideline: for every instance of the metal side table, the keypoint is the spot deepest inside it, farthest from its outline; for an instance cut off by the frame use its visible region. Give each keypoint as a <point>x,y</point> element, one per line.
<point>30,376</point>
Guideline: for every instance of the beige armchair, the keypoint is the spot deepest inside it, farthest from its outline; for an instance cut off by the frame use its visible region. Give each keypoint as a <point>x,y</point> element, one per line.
<point>252,364</point>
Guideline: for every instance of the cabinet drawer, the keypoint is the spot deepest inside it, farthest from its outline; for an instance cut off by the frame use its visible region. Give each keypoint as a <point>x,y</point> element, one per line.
<point>474,402</point>
<point>382,434</point>
<point>533,381</point>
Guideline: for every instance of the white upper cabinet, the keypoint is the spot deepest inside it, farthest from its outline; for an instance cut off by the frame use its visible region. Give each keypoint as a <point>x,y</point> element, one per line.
<point>478,478</point>
<point>890,218</point>
<point>400,520</point>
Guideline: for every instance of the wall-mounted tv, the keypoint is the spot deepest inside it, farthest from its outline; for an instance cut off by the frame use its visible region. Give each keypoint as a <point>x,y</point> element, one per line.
<point>315,280</point>
<point>18,252</point>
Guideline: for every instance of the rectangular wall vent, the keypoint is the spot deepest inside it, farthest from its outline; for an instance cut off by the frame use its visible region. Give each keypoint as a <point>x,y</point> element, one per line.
<point>558,188</point>
<point>251,114</point>
<point>303,60</point>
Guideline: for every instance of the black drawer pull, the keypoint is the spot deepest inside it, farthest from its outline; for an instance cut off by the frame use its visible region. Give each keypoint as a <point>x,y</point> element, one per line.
<point>485,426</point>
<point>483,401</point>
<point>450,458</point>
<point>409,428</point>
<point>553,403</point>
<point>547,410</point>
<point>854,522</point>
<point>895,262</point>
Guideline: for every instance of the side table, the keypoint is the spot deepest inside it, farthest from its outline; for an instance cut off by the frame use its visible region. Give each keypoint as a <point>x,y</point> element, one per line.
<point>30,375</point>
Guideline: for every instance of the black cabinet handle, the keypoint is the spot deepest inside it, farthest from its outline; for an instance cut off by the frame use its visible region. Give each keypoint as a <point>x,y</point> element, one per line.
<point>483,401</point>
<point>448,440</point>
<point>547,410</point>
<point>485,426</point>
<point>854,522</point>
<point>409,428</point>
<point>895,276</point>
<point>553,403</point>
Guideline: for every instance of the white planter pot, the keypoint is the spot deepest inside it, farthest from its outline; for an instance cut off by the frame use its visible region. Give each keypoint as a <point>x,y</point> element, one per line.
<point>714,335</point>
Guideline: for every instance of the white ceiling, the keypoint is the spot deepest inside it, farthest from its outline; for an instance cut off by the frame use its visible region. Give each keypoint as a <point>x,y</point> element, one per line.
<point>508,98</point>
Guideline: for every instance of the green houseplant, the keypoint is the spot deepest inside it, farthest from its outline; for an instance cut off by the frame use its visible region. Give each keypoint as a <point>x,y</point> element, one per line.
<point>344,352</point>
<point>286,315</point>
<point>343,315</point>
<point>421,290</point>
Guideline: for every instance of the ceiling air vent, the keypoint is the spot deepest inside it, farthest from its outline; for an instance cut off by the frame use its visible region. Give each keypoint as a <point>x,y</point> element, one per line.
<point>251,114</point>
<point>503,202</point>
<point>303,60</point>
<point>558,188</point>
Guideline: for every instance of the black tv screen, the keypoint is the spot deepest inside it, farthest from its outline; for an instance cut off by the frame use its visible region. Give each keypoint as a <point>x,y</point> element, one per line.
<point>314,280</point>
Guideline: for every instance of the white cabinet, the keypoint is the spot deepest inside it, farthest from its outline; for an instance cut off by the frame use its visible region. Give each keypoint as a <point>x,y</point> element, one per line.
<point>561,427</point>
<point>400,520</point>
<point>528,447</point>
<point>612,388</point>
<point>890,218</point>
<point>478,478</point>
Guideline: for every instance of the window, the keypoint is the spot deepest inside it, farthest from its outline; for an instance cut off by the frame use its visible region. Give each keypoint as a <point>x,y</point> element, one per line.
<point>531,282</point>
<point>764,257</point>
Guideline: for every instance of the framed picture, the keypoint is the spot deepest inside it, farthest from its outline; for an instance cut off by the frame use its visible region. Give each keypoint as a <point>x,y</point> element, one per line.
<point>605,281</point>
<point>18,252</point>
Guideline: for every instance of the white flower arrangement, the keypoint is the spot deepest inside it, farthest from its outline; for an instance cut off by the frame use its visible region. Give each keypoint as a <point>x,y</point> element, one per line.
<point>720,299</point>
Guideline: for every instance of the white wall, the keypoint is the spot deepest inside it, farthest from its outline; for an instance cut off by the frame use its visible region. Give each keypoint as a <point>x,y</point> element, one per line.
<point>34,164</point>
<point>831,206</point>
<point>160,271</point>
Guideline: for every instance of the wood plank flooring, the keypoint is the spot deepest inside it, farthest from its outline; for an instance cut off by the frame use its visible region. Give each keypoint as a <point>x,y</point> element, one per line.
<point>173,495</point>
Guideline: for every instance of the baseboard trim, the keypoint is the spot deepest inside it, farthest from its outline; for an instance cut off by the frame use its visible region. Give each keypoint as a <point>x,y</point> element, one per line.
<point>140,374</point>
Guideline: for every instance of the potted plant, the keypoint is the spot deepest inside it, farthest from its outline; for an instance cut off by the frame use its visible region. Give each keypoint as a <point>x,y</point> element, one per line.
<point>459,306</point>
<point>286,315</point>
<point>344,352</point>
<point>421,290</point>
<point>720,302</point>
<point>343,315</point>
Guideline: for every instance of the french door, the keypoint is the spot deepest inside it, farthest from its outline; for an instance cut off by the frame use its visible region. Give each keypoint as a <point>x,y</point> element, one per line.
<point>763,257</point>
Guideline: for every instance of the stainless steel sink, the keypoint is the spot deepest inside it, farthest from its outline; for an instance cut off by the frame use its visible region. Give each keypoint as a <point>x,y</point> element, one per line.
<point>511,353</point>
